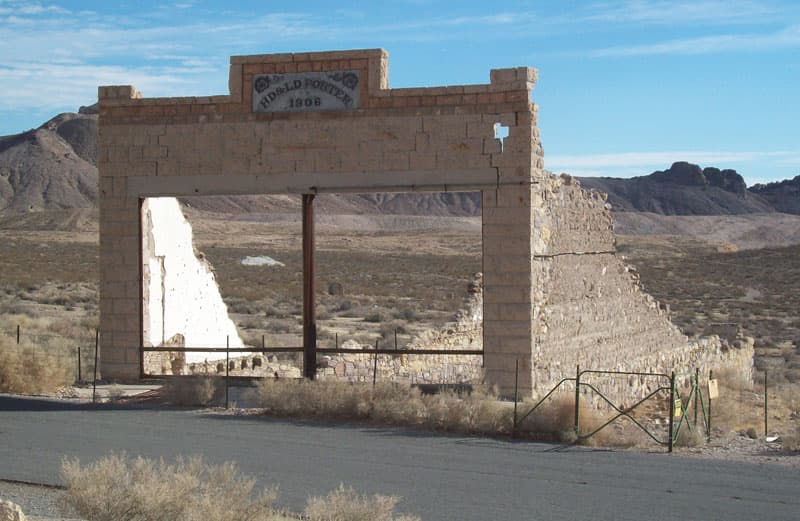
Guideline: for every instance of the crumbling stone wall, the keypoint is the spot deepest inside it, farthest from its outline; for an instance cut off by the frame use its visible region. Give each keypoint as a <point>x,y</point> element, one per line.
<point>466,332</point>
<point>589,309</point>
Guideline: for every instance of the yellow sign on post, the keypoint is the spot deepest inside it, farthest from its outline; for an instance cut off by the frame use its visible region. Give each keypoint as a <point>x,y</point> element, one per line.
<point>678,409</point>
<point>713,389</point>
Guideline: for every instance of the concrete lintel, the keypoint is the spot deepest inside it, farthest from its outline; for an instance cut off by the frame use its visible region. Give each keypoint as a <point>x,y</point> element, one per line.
<point>417,181</point>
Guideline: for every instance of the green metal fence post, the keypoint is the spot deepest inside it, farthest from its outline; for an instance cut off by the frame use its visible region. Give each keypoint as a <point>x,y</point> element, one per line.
<point>671,408</point>
<point>708,424</point>
<point>577,399</point>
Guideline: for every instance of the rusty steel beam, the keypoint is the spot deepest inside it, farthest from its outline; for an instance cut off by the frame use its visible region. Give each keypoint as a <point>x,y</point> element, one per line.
<point>309,300</point>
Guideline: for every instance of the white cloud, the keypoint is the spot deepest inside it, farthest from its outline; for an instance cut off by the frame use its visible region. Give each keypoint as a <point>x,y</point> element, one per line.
<point>663,158</point>
<point>21,8</point>
<point>788,37</point>
<point>714,12</point>
<point>72,85</point>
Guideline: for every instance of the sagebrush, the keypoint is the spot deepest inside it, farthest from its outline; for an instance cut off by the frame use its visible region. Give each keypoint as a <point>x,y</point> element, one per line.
<point>345,504</point>
<point>194,390</point>
<point>478,412</point>
<point>119,488</point>
<point>30,369</point>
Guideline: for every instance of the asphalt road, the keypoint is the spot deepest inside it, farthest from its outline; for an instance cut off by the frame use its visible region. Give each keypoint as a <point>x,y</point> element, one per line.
<point>440,477</point>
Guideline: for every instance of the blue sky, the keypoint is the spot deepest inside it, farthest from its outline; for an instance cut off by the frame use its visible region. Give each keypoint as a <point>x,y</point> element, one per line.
<point>624,88</point>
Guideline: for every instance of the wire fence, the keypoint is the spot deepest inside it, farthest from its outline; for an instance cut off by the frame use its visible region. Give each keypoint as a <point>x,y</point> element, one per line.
<point>38,355</point>
<point>690,402</point>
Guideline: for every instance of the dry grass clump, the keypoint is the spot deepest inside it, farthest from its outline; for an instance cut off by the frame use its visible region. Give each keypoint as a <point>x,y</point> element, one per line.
<point>345,504</point>
<point>386,403</point>
<point>554,420</point>
<point>319,399</point>
<point>791,441</point>
<point>479,412</point>
<point>29,369</point>
<point>738,407</point>
<point>694,437</point>
<point>117,488</point>
<point>188,391</point>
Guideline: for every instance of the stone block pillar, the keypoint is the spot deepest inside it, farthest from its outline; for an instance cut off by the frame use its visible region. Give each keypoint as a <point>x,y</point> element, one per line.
<point>507,247</point>
<point>120,265</point>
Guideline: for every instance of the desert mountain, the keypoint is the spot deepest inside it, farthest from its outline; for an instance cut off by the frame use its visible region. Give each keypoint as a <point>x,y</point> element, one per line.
<point>784,195</point>
<point>686,189</point>
<point>53,167</point>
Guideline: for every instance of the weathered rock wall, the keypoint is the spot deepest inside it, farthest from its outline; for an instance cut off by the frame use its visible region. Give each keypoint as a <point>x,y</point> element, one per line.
<point>589,309</point>
<point>466,332</point>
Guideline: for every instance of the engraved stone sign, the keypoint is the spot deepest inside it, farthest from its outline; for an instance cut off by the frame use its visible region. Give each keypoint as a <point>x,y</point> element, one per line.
<point>306,91</point>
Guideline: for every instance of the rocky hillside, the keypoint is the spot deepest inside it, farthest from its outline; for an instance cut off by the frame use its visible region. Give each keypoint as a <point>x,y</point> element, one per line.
<point>51,167</point>
<point>784,195</point>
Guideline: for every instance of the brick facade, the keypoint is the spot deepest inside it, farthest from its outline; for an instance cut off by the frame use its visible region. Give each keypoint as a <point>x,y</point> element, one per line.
<point>416,139</point>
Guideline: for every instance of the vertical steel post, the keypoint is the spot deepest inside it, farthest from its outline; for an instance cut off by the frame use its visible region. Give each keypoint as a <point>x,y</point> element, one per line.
<point>375,364</point>
<point>94,380</point>
<point>80,377</point>
<point>17,334</point>
<point>577,399</point>
<point>337,340</point>
<point>696,392</point>
<point>395,339</point>
<point>309,303</point>
<point>140,233</point>
<point>671,408</point>
<point>516,398</point>
<point>766,399</point>
<point>227,368</point>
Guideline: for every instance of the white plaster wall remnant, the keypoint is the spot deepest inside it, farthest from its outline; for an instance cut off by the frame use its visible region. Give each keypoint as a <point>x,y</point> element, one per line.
<point>181,296</point>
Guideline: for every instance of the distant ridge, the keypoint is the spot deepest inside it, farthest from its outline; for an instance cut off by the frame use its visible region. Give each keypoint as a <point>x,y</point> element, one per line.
<point>784,195</point>
<point>686,189</point>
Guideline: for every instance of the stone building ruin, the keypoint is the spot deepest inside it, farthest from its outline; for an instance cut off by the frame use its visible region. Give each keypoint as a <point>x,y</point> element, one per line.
<point>555,293</point>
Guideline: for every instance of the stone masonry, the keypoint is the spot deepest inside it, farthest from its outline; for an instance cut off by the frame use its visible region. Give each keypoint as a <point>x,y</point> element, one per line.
<point>437,138</point>
<point>464,333</point>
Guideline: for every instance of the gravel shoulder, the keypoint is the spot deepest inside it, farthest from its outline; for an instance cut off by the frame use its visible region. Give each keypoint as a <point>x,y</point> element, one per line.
<point>39,503</point>
<point>733,446</point>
